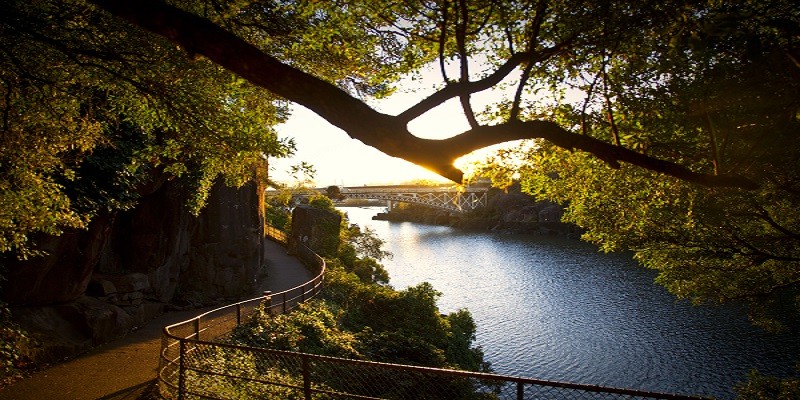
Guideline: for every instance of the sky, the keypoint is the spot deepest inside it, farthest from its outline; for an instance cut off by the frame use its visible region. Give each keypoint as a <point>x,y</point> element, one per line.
<point>340,160</point>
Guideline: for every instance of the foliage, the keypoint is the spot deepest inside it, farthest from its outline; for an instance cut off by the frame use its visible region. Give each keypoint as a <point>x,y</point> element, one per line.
<point>359,320</point>
<point>276,210</point>
<point>94,110</point>
<point>105,180</point>
<point>322,202</point>
<point>360,251</point>
<point>223,361</point>
<point>359,316</point>
<point>312,328</point>
<point>760,387</point>
<point>90,107</point>
<point>721,96</point>
<point>334,192</point>
<point>12,339</point>
<point>395,326</point>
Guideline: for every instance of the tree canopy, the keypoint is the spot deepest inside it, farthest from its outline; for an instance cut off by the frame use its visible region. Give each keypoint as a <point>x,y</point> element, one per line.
<point>684,113</point>
<point>719,93</point>
<point>505,36</point>
<point>96,111</point>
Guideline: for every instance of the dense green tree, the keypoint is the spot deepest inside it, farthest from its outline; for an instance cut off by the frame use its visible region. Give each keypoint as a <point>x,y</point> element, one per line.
<point>721,96</point>
<point>94,109</point>
<point>91,109</point>
<point>358,316</point>
<point>537,40</point>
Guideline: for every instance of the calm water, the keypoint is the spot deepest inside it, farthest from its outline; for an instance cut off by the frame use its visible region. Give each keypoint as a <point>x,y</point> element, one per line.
<point>555,308</point>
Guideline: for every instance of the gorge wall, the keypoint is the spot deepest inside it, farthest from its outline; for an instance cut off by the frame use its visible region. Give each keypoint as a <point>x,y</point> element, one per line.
<point>128,266</point>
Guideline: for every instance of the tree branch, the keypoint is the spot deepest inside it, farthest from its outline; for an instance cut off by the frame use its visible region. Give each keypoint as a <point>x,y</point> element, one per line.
<point>442,41</point>
<point>461,44</point>
<point>384,132</point>
<point>453,90</point>
<point>457,89</point>
<point>485,136</point>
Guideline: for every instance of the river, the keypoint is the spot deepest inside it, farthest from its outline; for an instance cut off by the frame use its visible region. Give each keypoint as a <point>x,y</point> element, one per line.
<point>557,309</point>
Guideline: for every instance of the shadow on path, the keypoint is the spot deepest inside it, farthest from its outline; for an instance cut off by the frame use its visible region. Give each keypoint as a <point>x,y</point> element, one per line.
<point>126,368</point>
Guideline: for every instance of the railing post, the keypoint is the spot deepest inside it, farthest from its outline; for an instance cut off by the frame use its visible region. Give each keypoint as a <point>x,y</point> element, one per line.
<point>284,302</point>
<point>303,293</point>
<point>268,301</point>
<point>520,390</point>
<point>238,314</point>
<point>197,328</point>
<point>182,369</point>
<point>306,377</point>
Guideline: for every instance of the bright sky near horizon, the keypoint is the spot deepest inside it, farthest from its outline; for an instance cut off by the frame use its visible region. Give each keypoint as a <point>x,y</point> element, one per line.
<point>340,160</point>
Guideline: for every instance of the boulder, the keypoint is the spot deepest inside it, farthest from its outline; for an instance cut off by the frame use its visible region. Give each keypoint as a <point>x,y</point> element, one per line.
<point>316,229</point>
<point>551,213</point>
<point>63,273</point>
<point>150,241</point>
<point>226,250</point>
<point>96,319</point>
<point>100,288</point>
<point>54,338</point>
<point>124,283</point>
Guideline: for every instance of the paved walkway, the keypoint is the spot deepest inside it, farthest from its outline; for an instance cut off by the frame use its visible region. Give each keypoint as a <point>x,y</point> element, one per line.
<point>126,368</point>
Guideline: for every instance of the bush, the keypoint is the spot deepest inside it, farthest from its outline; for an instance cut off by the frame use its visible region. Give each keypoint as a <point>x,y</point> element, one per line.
<point>763,387</point>
<point>12,340</point>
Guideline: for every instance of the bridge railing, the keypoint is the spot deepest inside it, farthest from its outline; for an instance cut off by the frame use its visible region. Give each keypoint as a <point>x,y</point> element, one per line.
<point>411,189</point>
<point>194,364</point>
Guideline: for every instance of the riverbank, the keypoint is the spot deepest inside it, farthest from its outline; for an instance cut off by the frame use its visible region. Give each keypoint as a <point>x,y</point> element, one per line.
<point>510,213</point>
<point>554,308</point>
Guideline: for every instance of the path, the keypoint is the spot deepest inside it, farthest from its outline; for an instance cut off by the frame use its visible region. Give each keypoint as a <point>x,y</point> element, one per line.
<point>126,368</point>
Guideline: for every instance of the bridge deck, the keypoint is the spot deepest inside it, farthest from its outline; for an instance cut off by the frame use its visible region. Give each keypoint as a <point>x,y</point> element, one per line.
<point>450,198</point>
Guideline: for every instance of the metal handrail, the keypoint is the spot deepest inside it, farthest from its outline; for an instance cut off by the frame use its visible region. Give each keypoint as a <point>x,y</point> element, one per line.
<point>170,361</point>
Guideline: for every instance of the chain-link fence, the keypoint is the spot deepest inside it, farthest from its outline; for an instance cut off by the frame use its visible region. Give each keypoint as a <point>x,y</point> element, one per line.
<point>220,371</point>
<point>193,366</point>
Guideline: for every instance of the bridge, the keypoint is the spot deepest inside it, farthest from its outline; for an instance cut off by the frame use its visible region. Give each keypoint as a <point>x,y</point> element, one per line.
<point>451,198</point>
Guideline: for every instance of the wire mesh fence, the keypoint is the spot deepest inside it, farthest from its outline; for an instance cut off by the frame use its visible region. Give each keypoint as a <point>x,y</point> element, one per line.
<point>196,364</point>
<point>222,371</point>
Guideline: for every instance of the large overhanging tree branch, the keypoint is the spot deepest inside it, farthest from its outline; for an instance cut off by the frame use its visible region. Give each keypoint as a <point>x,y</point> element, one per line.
<point>386,133</point>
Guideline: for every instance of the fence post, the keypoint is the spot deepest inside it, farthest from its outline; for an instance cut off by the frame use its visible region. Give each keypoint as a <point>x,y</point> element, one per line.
<point>238,314</point>
<point>284,302</point>
<point>268,301</point>
<point>181,369</point>
<point>303,293</point>
<point>197,328</point>
<point>520,390</point>
<point>306,377</point>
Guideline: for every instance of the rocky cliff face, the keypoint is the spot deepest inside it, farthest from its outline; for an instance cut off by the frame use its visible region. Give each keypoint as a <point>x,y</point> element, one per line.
<point>127,267</point>
<point>316,229</point>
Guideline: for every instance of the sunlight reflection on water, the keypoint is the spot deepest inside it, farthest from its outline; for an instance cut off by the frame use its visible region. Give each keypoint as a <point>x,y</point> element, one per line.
<point>553,308</point>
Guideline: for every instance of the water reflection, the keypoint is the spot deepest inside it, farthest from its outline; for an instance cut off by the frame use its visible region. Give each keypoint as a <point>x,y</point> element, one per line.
<point>555,308</point>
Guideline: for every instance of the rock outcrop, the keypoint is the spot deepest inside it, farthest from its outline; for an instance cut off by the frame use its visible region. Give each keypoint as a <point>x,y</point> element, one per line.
<point>99,283</point>
<point>513,212</point>
<point>315,228</point>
